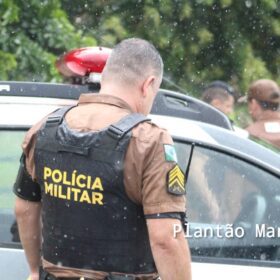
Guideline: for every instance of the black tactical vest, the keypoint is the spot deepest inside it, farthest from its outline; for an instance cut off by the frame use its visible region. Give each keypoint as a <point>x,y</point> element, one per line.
<point>88,220</point>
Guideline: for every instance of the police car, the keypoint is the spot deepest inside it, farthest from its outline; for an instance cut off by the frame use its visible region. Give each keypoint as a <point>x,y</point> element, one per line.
<point>233,184</point>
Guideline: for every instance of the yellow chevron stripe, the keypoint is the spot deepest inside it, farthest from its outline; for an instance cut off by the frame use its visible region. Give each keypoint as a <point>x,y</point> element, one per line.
<point>176,180</point>
<point>178,183</point>
<point>176,171</point>
<point>177,175</point>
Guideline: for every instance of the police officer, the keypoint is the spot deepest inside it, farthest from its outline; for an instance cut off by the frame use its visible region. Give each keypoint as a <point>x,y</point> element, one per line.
<point>264,107</point>
<point>104,181</point>
<point>220,95</point>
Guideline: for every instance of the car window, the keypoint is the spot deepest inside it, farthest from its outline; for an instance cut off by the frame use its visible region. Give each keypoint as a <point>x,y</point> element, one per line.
<point>233,208</point>
<point>10,152</point>
<point>183,152</point>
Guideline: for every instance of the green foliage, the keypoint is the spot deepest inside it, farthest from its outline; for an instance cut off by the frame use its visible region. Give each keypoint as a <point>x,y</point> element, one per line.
<point>225,3</point>
<point>32,35</point>
<point>200,40</point>
<point>253,68</point>
<point>186,11</point>
<point>9,63</point>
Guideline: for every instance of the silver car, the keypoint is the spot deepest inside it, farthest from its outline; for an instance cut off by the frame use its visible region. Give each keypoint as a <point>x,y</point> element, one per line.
<point>233,184</point>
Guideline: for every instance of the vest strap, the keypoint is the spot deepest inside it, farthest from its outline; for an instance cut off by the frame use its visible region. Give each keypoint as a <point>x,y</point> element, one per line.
<point>58,115</point>
<point>123,126</point>
<point>55,119</point>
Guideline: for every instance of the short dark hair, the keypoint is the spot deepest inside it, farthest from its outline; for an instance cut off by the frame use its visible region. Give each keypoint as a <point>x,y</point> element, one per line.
<point>133,59</point>
<point>212,93</point>
<point>220,84</point>
<point>217,90</point>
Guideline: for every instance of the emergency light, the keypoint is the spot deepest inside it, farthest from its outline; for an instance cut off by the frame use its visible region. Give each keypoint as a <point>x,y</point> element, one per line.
<point>84,62</point>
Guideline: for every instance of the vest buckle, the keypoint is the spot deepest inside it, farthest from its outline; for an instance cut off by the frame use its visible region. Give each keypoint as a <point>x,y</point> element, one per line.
<point>54,119</point>
<point>115,132</point>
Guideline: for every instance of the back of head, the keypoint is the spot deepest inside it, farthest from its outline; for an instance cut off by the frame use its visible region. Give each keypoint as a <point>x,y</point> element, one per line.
<point>266,92</point>
<point>131,62</point>
<point>217,90</point>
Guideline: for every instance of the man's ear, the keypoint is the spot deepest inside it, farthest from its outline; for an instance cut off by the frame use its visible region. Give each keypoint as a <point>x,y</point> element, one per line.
<point>216,102</point>
<point>147,84</point>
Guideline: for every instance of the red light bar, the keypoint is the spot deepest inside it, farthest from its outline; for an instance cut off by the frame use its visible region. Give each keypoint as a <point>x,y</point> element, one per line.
<point>81,62</point>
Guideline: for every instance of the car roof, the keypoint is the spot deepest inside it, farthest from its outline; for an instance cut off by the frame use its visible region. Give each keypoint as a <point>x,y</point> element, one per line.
<point>23,112</point>
<point>167,102</point>
<point>220,139</point>
<point>28,104</point>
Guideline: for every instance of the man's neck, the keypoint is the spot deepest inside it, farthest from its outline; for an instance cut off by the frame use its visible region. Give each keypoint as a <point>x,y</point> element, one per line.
<point>125,94</point>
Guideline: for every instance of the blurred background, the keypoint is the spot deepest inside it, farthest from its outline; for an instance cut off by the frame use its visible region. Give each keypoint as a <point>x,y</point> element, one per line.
<point>199,40</point>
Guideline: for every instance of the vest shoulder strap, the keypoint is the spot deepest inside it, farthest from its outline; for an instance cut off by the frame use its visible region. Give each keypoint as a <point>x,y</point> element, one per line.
<point>124,125</point>
<point>57,116</point>
<point>55,119</point>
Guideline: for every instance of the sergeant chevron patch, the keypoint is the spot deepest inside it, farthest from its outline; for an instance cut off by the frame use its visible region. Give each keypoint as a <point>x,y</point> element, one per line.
<point>176,181</point>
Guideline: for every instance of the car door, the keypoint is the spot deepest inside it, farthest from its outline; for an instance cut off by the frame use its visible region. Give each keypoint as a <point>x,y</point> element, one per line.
<point>233,209</point>
<point>12,260</point>
<point>223,191</point>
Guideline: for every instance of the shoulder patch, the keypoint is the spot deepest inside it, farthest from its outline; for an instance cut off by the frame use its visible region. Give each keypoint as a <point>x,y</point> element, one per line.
<point>176,181</point>
<point>170,153</point>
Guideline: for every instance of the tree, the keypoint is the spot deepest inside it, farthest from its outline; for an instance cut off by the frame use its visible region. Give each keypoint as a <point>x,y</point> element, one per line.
<point>32,34</point>
<point>200,40</point>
